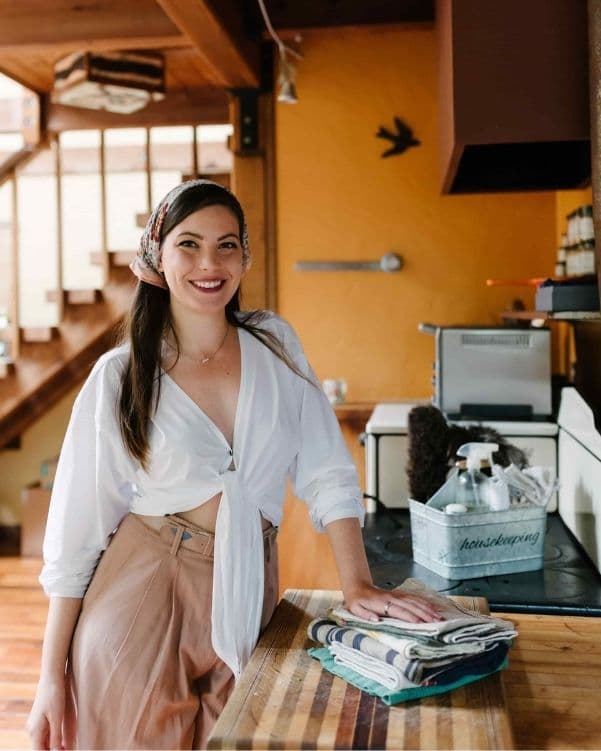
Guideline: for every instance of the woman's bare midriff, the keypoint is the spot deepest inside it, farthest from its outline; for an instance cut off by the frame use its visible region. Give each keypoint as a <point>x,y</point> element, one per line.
<point>203,516</point>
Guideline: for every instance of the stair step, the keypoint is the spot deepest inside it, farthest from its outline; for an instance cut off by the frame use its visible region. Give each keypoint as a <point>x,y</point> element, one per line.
<point>116,257</point>
<point>75,296</point>
<point>97,258</point>
<point>7,367</point>
<point>38,333</point>
<point>82,296</point>
<point>48,368</point>
<point>122,257</point>
<point>142,219</point>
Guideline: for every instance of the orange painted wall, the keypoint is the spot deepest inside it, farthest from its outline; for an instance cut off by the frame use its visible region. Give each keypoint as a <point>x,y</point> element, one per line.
<point>338,199</point>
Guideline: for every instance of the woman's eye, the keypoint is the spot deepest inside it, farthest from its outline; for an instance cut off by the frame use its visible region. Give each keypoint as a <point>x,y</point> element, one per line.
<point>187,244</point>
<point>228,246</point>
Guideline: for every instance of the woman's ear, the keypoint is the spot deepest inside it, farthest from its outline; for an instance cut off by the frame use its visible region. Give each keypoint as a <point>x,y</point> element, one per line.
<point>246,267</point>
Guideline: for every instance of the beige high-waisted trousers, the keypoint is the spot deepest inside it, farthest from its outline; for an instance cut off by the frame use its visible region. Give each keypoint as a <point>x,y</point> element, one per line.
<point>142,672</point>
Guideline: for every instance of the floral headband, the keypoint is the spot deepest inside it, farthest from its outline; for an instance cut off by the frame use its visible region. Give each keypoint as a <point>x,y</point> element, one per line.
<point>148,258</point>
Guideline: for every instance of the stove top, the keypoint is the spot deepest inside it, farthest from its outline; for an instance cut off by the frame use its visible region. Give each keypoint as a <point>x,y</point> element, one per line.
<point>568,583</point>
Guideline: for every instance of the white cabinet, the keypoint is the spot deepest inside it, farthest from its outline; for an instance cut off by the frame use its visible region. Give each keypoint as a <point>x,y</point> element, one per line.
<point>580,493</point>
<point>580,472</point>
<point>386,458</point>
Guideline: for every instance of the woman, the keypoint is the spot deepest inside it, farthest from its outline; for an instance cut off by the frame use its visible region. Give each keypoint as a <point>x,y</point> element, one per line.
<point>182,440</point>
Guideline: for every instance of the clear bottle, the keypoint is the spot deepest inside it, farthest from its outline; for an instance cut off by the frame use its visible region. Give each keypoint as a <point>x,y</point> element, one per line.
<point>587,227</point>
<point>587,257</point>
<point>473,483</point>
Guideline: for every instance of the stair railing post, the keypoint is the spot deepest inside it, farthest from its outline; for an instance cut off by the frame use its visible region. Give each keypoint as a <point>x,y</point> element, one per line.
<point>106,261</point>
<point>60,297</point>
<point>14,301</point>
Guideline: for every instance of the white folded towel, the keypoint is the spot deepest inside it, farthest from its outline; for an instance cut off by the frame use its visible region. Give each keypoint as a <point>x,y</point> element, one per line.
<point>370,667</point>
<point>535,484</point>
<point>460,625</point>
<point>417,650</point>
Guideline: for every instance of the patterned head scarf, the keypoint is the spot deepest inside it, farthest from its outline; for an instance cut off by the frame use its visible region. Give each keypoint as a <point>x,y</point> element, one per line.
<point>148,258</point>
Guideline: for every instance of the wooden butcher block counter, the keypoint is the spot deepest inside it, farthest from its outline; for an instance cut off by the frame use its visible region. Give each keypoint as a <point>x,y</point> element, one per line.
<point>285,700</point>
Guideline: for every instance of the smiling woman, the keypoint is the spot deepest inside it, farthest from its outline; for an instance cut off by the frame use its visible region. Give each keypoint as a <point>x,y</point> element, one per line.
<point>169,492</point>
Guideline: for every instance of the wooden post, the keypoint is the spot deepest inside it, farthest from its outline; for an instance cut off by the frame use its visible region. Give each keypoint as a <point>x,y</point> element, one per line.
<point>14,301</point>
<point>594,36</point>
<point>252,183</point>
<point>104,251</point>
<point>60,298</point>
<point>195,159</point>
<point>148,162</point>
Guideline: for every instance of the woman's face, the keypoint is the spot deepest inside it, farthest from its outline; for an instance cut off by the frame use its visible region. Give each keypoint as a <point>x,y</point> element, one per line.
<point>202,260</point>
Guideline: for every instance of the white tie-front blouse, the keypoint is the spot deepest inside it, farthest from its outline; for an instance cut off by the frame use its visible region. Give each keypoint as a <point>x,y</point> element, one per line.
<point>283,427</point>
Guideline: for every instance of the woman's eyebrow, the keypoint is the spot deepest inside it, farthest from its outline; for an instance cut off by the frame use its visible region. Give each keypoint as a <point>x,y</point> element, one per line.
<point>201,237</point>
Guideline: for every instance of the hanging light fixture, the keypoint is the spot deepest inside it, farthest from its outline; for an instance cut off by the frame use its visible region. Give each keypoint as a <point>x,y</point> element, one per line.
<point>286,80</point>
<point>287,72</point>
<point>122,82</point>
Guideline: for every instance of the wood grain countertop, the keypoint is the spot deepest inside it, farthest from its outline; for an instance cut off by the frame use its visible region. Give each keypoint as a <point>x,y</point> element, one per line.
<point>285,700</point>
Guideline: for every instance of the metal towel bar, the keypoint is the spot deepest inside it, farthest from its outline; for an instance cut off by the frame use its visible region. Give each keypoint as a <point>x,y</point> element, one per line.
<point>388,262</point>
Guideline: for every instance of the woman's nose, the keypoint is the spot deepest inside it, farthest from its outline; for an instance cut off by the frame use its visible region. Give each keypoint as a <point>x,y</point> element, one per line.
<point>207,258</point>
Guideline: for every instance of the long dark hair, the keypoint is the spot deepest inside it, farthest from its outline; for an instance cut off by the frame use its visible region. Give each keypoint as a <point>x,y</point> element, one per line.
<point>149,320</point>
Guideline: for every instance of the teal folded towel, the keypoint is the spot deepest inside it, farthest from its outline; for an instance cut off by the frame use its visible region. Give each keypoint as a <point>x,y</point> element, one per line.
<point>326,659</point>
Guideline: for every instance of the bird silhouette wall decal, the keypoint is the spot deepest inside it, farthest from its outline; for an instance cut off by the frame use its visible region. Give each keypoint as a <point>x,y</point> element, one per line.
<point>402,140</point>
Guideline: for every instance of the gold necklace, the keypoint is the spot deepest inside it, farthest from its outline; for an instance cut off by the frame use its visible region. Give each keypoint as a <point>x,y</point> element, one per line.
<point>202,360</point>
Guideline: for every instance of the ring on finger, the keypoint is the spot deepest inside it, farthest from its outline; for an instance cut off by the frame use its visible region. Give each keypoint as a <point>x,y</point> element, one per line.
<point>387,605</point>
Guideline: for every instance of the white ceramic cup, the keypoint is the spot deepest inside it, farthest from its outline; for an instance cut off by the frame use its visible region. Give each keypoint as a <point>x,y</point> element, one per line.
<point>335,390</point>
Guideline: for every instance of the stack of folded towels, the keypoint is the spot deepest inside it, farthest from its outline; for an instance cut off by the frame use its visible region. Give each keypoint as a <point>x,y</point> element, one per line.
<point>398,660</point>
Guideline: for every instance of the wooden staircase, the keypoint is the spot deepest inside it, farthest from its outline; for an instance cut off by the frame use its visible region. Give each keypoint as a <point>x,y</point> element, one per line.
<point>65,285</point>
<point>46,371</point>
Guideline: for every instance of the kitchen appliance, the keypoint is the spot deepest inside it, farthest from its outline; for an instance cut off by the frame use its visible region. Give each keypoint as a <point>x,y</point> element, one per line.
<point>493,373</point>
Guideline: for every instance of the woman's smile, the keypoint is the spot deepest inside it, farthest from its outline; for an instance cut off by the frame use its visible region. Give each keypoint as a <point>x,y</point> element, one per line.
<point>209,286</point>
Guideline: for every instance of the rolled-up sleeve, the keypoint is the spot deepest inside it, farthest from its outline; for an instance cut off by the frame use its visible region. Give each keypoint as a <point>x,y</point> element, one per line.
<point>90,490</point>
<point>323,473</point>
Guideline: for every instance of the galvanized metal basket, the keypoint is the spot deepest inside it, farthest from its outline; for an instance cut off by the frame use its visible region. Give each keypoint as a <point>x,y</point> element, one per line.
<point>478,543</point>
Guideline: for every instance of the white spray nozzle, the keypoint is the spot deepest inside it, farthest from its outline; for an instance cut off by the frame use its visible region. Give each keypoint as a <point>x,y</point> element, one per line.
<point>475,453</point>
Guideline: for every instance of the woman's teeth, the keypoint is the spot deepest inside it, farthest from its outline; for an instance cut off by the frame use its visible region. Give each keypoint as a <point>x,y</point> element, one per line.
<point>209,285</point>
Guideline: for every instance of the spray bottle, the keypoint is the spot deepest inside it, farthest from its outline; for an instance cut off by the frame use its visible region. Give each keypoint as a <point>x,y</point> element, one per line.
<point>474,484</point>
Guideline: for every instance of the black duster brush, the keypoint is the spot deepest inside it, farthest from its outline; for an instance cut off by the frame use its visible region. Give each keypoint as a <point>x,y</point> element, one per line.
<point>433,445</point>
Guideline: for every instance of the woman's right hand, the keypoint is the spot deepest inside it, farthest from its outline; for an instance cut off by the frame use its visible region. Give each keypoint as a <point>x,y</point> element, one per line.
<point>45,721</point>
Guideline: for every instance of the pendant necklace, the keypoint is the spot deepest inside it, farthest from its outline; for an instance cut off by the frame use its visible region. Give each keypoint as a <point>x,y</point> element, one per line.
<point>201,360</point>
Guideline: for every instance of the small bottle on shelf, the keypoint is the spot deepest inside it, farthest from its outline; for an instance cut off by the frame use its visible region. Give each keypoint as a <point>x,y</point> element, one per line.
<point>562,256</point>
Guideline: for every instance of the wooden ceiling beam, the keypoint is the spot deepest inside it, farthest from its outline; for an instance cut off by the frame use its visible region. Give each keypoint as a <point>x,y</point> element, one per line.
<point>43,23</point>
<point>93,44</point>
<point>215,30</point>
<point>202,106</point>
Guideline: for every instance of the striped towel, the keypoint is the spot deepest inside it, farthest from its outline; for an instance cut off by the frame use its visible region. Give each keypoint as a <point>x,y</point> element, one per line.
<point>371,657</point>
<point>374,688</point>
<point>394,679</point>
<point>408,660</point>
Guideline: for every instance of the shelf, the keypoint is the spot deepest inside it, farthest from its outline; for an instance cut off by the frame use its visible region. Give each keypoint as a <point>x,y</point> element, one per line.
<point>354,411</point>
<point>544,315</point>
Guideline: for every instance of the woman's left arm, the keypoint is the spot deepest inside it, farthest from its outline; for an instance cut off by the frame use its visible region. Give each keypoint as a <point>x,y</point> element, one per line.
<point>325,477</point>
<point>361,596</point>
